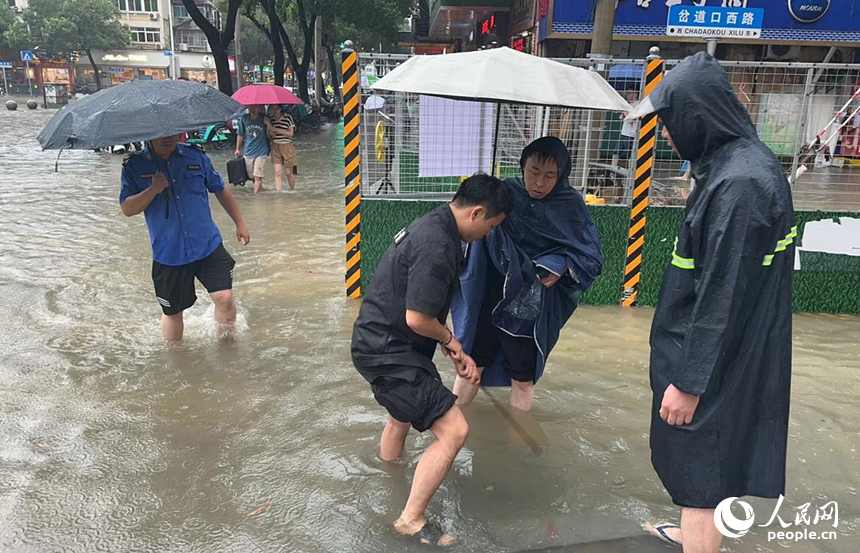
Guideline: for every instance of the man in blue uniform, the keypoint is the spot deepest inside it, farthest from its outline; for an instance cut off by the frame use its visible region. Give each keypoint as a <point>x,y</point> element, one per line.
<point>401,320</point>
<point>170,183</point>
<point>721,336</point>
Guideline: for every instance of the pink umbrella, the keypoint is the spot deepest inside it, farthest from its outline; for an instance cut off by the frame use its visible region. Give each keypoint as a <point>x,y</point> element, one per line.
<point>260,94</point>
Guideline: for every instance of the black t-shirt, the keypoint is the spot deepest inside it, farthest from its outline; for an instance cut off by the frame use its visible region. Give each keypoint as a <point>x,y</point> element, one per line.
<point>419,271</point>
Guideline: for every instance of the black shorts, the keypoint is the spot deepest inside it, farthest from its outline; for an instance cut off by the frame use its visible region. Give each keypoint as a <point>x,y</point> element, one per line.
<point>420,401</point>
<point>520,354</point>
<point>174,285</point>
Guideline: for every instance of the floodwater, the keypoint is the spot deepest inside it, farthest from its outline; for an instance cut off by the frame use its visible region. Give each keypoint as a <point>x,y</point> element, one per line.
<point>112,441</point>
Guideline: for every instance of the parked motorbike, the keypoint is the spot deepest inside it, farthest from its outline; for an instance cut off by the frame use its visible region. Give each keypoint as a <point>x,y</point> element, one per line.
<point>303,116</point>
<point>216,135</point>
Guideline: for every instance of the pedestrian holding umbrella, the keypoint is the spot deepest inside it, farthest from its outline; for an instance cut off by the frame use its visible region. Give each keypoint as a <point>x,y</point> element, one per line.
<point>186,243</point>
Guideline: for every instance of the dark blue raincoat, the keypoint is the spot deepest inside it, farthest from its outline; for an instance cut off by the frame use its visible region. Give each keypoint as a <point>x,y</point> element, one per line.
<point>722,329</point>
<point>553,234</point>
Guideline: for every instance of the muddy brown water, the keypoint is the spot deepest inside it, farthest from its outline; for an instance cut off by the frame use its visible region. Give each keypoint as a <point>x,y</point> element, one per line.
<point>112,441</point>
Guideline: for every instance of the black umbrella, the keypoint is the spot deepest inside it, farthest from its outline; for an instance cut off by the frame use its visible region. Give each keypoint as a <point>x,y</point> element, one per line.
<point>135,112</point>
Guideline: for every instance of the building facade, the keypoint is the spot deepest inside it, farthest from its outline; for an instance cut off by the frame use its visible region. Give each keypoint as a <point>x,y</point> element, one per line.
<point>155,53</point>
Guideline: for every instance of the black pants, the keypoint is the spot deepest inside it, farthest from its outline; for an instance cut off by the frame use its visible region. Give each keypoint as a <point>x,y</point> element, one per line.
<point>520,354</point>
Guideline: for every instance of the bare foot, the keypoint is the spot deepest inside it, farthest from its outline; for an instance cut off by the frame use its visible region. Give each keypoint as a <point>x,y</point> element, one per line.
<point>425,532</point>
<point>668,532</point>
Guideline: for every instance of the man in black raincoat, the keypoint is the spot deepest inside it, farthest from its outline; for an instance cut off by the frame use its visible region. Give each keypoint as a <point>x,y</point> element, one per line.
<point>721,336</point>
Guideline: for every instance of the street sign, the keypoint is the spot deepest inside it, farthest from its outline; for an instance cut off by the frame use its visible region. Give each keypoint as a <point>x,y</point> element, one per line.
<point>713,22</point>
<point>6,64</point>
<point>168,53</point>
<point>26,55</point>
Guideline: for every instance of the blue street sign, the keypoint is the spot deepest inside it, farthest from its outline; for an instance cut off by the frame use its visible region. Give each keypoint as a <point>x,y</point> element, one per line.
<point>713,22</point>
<point>26,55</point>
<point>168,52</point>
<point>6,64</point>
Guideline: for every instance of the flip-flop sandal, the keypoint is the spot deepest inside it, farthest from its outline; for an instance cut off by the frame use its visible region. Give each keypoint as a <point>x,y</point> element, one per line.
<point>661,532</point>
<point>429,535</point>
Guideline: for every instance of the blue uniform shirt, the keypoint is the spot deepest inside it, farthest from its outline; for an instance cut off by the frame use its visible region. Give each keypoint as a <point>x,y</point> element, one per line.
<point>188,233</point>
<point>256,139</point>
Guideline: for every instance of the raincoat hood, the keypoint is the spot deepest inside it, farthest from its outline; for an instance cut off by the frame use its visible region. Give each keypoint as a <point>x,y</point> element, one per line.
<point>697,104</point>
<point>559,153</point>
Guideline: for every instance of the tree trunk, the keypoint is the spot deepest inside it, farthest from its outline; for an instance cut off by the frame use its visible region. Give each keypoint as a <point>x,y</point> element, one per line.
<point>95,71</point>
<point>333,70</point>
<point>222,69</point>
<point>218,42</point>
<point>275,37</point>
<point>306,59</point>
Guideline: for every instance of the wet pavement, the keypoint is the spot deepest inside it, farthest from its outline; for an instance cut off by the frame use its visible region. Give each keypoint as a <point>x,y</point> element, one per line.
<point>112,441</point>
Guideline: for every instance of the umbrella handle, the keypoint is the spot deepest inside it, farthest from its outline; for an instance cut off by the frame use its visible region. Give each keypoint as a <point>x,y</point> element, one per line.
<point>57,163</point>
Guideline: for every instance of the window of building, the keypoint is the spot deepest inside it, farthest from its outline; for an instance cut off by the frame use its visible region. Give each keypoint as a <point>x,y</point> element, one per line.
<point>180,12</point>
<point>145,35</point>
<point>137,5</point>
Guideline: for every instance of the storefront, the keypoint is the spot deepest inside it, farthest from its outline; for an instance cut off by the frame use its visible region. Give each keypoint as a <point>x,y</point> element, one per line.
<point>803,29</point>
<point>522,26</point>
<point>198,67</point>
<point>20,78</point>
<point>120,66</point>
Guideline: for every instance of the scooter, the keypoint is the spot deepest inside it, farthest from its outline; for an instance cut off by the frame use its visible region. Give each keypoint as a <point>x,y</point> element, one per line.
<point>216,135</point>
<point>304,116</point>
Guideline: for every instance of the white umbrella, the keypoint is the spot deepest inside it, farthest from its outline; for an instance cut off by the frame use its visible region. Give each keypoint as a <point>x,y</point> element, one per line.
<point>502,75</point>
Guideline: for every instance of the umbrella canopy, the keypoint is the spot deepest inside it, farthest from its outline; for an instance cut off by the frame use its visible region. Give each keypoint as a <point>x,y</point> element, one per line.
<point>137,111</point>
<point>626,76</point>
<point>503,75</point>
<point>265,94</point>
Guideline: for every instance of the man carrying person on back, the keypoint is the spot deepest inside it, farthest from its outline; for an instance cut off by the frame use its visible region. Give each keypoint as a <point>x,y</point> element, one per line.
<point>401,320</point>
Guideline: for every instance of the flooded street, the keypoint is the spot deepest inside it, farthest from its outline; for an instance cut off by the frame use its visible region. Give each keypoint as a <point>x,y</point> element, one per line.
<point>112,441</point>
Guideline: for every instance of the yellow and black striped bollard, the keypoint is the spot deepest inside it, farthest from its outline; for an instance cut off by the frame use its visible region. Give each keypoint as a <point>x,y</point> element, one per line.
<point>352,176</point>
<point>644,165</point>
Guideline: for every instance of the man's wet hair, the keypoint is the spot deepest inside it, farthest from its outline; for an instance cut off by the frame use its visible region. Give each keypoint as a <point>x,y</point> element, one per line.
<point>486,191</point>
<point>540,149</point>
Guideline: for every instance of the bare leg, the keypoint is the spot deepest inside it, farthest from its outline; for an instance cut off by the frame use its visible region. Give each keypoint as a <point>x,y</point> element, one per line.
<point>225,313</point>
<point>451,432</point>
<point>172,327</point>
<point>700,534</point>
<point>465,390</point>
<point>279,176</point>
<point>522,395</point>
<point>393,439</point>
<point>258,185</point>
<point>291,178</point>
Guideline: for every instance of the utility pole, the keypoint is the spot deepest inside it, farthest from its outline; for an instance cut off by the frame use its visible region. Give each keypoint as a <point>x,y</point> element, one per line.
<point>604,21</point>
<point>240,65</point>
<point>318,84</point>
<point>172,58</point>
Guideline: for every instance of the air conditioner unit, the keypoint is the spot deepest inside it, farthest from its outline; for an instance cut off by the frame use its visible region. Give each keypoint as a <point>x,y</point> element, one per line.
<point>782,52</point>
<point>153,16</point>
<point>17,9</point>
<point>183,47</point>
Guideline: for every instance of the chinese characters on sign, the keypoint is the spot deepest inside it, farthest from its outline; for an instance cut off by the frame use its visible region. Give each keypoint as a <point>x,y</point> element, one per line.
<point>714,22</point>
